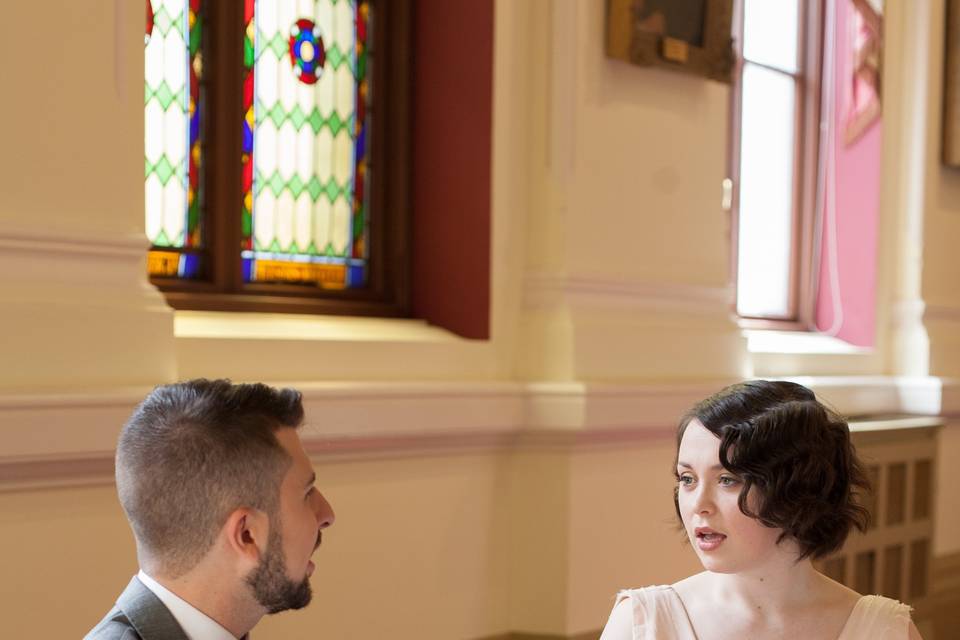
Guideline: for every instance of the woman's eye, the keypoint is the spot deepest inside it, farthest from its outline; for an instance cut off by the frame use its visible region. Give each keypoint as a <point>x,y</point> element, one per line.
<point>728,481</point>
<point>686,480</point>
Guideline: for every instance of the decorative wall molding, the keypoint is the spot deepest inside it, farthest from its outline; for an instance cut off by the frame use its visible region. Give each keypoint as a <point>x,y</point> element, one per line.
<point>877,395</point>
<point>941,313</point>
<point>544,290</point>
<point>33,241</point>
<point>68,439</point>
<point>88,269</point>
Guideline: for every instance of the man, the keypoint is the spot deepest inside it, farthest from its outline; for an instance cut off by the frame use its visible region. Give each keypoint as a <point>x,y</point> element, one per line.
<point>219,494</point>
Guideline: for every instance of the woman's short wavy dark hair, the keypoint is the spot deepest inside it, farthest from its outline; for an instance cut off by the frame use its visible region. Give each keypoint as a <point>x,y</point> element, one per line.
<point>795,455</point>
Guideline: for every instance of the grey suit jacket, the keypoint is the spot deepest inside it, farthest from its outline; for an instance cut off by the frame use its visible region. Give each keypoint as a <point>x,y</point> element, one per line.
<point>138,615</point>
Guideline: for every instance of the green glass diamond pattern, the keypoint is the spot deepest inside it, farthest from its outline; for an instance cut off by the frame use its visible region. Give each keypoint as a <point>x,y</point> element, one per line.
<point>314,188</point>
<point>276,183</point>
<point>332,190</point>
<point>278,44</point>
<point>163,21</point>
<point>166,97</point>
<point>164,170</point>
<point>296,186</point>
<point>316,120</point>
<point>335,123</point>
<point>297,117</point>
<point>277,114</point>
<point>335,57</point>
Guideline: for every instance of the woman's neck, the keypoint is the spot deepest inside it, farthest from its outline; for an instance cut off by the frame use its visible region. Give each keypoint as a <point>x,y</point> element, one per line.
<point>771,589</point>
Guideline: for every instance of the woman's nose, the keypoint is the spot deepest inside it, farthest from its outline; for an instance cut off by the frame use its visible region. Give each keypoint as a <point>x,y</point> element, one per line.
<point>704,501</point>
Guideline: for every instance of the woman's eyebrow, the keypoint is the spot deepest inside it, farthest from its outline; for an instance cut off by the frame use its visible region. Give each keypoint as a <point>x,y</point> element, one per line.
<point>687,465</point>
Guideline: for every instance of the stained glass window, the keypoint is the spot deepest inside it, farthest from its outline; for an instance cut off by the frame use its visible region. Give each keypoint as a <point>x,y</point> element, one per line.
<point>265,147</point>
<point>172,105</point>
<point>305,165</point>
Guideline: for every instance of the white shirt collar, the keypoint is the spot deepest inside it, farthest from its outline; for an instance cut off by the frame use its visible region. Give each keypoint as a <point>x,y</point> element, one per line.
<point>196,625</point>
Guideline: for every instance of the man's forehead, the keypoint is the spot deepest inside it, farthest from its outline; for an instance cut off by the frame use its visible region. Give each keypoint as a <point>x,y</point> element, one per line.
<point>289,439</point>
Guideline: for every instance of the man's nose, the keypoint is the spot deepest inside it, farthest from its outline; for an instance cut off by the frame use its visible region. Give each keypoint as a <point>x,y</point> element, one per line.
<point>325,515</point>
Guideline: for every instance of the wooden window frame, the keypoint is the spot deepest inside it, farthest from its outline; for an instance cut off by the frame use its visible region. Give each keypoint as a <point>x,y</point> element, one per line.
<point>388,290</point>
<point>806,165</point>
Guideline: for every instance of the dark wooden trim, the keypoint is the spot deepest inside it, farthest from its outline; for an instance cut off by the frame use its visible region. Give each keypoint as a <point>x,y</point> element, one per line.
<point>392,155</point>
<point>388,293</point>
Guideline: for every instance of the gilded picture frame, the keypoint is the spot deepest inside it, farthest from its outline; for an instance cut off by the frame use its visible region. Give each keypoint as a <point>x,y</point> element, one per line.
<point>692,36</point>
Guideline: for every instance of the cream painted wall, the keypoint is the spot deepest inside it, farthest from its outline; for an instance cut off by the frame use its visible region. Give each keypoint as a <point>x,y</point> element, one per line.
<point>610,258</point>
<point>627,245</point>
<point>72,546</point>
<point>624,531</point>
<point>77,310</point>
<point>416,552</point>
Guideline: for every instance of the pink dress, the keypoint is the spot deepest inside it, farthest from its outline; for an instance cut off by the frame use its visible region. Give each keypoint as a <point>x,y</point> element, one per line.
<point>659,614</point>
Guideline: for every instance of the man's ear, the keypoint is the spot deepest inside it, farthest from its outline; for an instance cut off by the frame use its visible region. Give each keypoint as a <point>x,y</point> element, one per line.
<point>246,532</point>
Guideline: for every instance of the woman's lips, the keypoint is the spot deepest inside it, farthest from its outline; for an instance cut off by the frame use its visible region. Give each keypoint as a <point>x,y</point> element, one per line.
<point>708,539</point>
<point>710,542</point>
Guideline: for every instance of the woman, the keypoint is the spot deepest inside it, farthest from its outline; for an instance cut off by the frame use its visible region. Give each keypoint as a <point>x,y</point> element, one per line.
<point>766,482</point>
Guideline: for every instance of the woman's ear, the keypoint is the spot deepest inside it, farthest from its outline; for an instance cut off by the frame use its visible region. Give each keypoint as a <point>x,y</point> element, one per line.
<point>245,533</point>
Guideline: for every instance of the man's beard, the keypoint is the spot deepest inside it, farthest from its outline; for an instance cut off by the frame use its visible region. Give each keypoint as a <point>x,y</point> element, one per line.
<point>271,587</point>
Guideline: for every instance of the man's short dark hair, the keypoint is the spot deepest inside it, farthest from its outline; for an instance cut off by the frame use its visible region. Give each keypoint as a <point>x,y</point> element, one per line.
<point>795,454</point>
<point>192,453</point>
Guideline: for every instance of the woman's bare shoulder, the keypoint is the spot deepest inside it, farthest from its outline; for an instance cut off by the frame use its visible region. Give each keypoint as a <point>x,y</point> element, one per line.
<point>841,596</point>
<point>692,586</point>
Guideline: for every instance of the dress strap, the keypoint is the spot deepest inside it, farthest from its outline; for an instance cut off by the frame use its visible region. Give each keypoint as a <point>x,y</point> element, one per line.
<point>878,618</point>
<point>658,614</point>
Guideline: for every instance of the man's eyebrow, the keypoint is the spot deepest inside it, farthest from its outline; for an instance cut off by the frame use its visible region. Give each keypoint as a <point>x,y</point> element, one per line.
<point>687,465</point>
<point>313,478</point>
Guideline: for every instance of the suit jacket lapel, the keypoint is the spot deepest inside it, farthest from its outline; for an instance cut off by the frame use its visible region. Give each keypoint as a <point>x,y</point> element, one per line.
<point>151,619</point>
